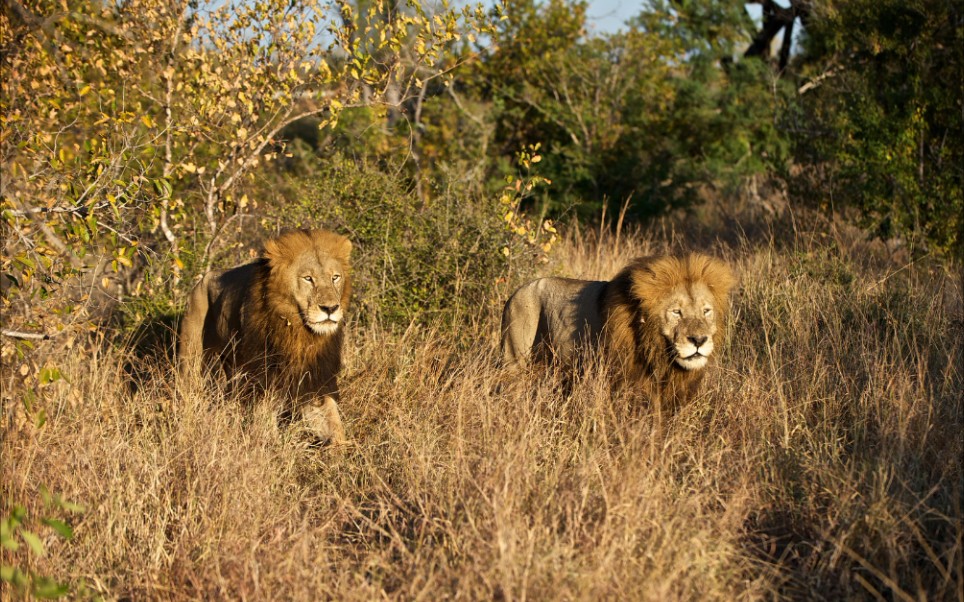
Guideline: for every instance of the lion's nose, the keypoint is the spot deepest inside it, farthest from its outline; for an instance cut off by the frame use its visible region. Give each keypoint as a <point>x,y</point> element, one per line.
<point>697,340</point>
<point>329,309</point>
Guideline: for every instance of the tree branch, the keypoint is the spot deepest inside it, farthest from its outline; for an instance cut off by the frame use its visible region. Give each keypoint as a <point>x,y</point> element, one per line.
<point>28,336</point>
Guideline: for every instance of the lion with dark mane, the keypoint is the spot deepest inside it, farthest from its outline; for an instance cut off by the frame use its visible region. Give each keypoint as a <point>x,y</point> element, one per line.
<point>277,323</point>
<point>657,323</point>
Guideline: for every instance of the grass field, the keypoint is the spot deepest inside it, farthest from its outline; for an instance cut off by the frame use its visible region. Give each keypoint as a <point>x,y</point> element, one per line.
<point>822,460</point>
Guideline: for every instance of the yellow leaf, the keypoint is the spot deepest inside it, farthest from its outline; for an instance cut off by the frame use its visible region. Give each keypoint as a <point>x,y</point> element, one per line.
<point>147,121</point>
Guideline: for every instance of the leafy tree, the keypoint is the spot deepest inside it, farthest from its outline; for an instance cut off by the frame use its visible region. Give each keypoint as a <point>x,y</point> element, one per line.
<point>128,130</point>
<point>652,115</point>
<point>880,123</point>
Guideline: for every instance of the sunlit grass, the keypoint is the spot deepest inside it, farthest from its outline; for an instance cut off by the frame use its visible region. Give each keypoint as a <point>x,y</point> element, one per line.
<point>823,459</point>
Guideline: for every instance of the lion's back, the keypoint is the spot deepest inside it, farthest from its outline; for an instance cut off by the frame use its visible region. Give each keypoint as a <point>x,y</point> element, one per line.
<point>551,318</point>
<point>213,321</point>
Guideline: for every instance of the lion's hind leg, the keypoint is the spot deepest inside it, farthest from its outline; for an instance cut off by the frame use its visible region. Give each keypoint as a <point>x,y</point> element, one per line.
<point>521,320</point>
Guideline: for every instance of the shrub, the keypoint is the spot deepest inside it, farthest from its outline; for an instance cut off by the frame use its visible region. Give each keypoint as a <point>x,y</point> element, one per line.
<point>440,258</point>
<point>881,126</point>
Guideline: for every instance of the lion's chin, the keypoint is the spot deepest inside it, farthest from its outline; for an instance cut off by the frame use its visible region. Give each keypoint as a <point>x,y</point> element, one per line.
<point>324,327</point>
<point>696,361</point>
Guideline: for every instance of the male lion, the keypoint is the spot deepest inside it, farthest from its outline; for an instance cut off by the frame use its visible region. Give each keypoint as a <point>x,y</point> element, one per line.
<point>279,321</point>
<point>657,322</point>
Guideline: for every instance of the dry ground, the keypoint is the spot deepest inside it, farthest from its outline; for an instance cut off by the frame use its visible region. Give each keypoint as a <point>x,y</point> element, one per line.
<point>822,461</point>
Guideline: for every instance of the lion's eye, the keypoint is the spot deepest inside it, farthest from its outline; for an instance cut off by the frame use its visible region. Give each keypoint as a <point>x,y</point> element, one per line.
<point>677,312</point>
<point>308,279</point>
<point>707,311</point>
<point>335,277</point>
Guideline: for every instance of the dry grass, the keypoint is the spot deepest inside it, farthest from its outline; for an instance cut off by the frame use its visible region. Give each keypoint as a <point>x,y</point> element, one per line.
<point>822,461</point>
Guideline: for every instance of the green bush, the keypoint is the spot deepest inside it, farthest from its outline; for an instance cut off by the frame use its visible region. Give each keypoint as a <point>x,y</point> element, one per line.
<point>22,542</point>
<point>441,257</point>
<point>655,113</point>
<point>881,126</point>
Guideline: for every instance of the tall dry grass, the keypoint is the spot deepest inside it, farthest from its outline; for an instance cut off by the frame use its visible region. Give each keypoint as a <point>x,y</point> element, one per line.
<point>823,459</point>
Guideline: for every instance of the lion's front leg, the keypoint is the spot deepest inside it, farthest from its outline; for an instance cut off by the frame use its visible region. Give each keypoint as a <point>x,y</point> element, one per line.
<point>321,417</point>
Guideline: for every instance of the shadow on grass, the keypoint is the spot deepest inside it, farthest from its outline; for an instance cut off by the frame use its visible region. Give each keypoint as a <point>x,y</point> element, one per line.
<point>151,349</point>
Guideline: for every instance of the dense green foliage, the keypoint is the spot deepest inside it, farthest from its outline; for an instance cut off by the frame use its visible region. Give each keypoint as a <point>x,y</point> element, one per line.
<point>884,128</point>
<point>648,114</point>
<point>435,260</point>
<point>179,127</point>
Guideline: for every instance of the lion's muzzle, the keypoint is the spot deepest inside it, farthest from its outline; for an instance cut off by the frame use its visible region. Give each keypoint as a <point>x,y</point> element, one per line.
<point>324,319</point>
<point>693,352</point>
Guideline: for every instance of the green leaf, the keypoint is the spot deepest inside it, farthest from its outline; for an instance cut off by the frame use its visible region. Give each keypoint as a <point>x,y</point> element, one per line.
<point>45,496</point>
<point>56,501</point>
<point>49,375</point>
<point>48,589</point>
<point>18,515</point>
<point>62,528</point>
<point>33,541</point>
<point>72,506</point>
<point>11,574</point>
<point>163,187</point>
<point>7,528</point>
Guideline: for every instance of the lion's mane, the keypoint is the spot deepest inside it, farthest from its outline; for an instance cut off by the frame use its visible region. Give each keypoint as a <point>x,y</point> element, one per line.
<point>630,309</point>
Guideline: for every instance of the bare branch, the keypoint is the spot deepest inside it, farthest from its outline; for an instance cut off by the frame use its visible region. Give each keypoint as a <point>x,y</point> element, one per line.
<point>813,83</point>
<point>32,211</point>
<point>28,336</point>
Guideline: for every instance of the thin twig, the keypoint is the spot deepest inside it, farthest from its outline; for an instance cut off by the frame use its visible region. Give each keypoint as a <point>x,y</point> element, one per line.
<point>30,336</point>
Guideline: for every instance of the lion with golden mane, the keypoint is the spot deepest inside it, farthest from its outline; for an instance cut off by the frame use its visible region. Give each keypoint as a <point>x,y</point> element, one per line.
<point>657,323</point>
<point>278,323</point>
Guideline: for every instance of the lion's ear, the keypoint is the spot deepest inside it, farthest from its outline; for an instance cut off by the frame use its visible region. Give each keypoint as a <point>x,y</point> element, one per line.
<point>338,246</point>
<point>271,249</point>
<point>719,277</point>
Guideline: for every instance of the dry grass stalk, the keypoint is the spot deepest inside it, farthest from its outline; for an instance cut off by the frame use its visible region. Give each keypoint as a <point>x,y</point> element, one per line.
<point>823,459</point>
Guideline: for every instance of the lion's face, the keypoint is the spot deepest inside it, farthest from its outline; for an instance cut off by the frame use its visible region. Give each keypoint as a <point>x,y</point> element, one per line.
<point>687,319</point>
<point>309,277</point>
<point>683,303</point>
<point>318,285</point>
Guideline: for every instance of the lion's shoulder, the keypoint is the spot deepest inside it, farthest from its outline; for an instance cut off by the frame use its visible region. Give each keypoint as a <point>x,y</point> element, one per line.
<point>235,283</point>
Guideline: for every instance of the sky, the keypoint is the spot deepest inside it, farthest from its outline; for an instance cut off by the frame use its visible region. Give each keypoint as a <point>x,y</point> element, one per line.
<point>607,16</point>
